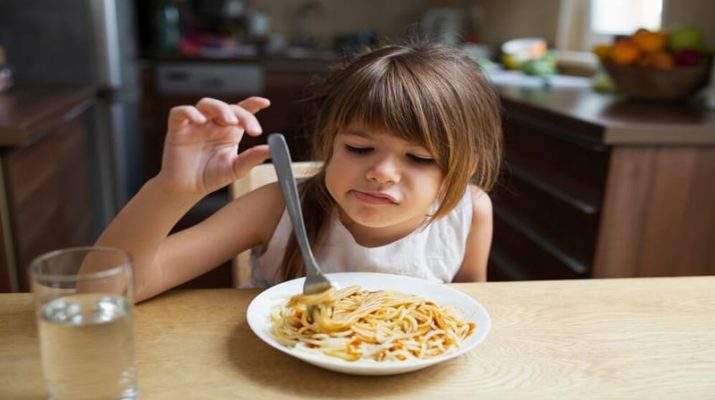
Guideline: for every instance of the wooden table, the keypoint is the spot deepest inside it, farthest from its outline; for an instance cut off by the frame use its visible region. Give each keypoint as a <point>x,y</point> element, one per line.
<point>646,338</point>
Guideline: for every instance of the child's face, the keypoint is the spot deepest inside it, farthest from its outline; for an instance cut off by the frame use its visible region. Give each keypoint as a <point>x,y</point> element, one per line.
<point>381,181</point>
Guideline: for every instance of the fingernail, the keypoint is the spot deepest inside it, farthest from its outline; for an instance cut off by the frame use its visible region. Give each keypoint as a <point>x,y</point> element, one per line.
<point>256,128</point>
<point>231,119</point>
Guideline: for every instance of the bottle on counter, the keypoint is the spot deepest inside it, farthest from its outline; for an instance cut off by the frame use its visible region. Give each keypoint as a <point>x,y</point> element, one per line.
<point>168,27</point>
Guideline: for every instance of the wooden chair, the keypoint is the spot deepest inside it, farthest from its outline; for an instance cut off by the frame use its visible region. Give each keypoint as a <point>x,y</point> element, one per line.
<point>259,176</point>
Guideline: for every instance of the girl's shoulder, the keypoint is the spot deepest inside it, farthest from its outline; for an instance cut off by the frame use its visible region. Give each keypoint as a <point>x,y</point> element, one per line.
<point>481,203</point>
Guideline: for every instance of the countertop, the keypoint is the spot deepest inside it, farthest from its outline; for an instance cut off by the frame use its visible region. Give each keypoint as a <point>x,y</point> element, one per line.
<point>601,338</point>
<point>605,118</point>
<point>27,112</point>
<point>307,61</point>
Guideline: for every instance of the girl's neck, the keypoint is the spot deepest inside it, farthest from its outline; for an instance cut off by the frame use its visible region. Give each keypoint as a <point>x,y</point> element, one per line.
<point>375,237</point>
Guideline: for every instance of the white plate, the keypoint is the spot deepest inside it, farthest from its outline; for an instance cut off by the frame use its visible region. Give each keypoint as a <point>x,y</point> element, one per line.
<point>260,309</point>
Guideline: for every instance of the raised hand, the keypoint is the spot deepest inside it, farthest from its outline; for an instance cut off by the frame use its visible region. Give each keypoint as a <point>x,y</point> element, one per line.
<point>201,145</point>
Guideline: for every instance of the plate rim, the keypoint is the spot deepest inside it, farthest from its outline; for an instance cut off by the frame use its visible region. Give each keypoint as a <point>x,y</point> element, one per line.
<point>253,317</point>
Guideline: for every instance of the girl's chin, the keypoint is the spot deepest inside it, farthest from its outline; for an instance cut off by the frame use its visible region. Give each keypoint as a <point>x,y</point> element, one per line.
<point>368,220</point>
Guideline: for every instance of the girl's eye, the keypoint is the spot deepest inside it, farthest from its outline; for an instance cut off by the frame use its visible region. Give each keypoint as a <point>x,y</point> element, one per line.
<point>420,159</point>
<point>358,150</point>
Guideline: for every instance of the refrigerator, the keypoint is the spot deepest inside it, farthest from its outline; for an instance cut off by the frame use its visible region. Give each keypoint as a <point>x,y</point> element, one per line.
<point>79,43</point>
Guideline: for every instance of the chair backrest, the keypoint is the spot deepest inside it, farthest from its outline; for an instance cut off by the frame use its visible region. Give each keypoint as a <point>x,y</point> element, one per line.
<point>259,176</point>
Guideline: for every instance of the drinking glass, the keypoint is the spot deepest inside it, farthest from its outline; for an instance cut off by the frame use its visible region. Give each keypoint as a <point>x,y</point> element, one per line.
<point>84,302</point>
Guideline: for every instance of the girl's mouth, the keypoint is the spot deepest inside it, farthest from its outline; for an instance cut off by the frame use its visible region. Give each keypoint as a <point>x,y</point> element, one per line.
<point>374,197</point>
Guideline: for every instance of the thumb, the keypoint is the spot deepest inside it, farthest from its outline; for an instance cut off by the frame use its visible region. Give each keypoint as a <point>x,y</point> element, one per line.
<point>249,158</point>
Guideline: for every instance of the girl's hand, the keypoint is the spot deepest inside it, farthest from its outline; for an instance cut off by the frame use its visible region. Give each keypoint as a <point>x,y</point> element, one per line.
<point>201,145</point>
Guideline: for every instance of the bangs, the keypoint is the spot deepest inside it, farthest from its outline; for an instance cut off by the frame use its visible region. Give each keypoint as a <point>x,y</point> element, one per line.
<point>388,95</point>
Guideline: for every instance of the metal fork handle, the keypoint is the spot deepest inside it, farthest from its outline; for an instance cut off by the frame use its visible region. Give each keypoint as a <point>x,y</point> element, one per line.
<point>282,162</point>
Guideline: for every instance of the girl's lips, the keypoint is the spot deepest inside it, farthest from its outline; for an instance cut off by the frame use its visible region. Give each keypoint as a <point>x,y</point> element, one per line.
<point>374,197</point>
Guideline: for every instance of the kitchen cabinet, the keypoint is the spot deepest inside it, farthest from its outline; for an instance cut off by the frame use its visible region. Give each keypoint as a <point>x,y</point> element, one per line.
<point>45,199</point>
<point>595,185</point>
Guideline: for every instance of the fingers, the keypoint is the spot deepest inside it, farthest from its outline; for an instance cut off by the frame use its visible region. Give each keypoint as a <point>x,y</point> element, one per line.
<point>247,120</point>
<point>249,158</point>
<point>254,104</point>
<point>227,115</point>
<point>217,111</point>
<point>182,115</point>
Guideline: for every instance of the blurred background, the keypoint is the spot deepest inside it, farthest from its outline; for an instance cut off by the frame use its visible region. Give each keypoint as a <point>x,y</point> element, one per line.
<point>104,73</point>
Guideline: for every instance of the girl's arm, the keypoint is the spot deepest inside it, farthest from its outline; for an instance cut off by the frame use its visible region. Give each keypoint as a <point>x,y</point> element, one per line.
<point>200,156</point>
<point>474,266</point>
<point>141,226</point>
<point>242,224</point>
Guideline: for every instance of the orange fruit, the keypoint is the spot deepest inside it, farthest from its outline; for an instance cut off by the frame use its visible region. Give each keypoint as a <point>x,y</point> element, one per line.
<point>657,60</point>
<point>648,41</point>
<point>624,52</point>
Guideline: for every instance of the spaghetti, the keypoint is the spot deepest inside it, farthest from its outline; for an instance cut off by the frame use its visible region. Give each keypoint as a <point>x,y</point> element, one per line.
<point>355,324</point>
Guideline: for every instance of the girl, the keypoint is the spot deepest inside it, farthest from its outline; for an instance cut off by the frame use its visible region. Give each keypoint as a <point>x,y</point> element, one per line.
<point>402,130</point>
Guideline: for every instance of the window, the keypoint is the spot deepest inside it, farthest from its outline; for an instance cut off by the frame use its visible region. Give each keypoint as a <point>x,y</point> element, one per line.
<point>586,23</point>
<point>618,17</point>
<point>608,18</point>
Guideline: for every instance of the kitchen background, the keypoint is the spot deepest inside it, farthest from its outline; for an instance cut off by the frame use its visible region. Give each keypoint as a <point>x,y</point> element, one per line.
<point>142,57</point>
<point>498,20</point>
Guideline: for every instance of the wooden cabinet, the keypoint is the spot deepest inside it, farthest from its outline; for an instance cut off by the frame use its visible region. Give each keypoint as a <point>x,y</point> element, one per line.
<point>547,203</point>
<point>45,185</point>
<point>597,186</point>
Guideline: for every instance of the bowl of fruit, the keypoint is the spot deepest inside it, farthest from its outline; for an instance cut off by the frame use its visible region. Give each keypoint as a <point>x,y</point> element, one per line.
<point>658,65</point>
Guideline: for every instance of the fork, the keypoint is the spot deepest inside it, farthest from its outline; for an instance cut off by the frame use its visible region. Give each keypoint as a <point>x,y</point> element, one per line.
<point>315,282</point>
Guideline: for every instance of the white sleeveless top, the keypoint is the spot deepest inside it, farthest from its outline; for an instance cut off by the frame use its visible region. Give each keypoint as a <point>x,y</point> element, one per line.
<point>434,252</point>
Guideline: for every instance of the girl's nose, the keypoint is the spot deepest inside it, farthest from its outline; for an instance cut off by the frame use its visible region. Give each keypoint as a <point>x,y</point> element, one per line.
<point>384,170</point>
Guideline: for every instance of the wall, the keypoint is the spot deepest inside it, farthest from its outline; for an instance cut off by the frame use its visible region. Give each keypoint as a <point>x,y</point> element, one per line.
<point>322,20</point>
<point>700,13</point>
<point>501,19</point>
<point>508,19</point>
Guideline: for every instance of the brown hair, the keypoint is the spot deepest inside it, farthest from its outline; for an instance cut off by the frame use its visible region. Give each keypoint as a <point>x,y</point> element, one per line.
<point>432,95</point>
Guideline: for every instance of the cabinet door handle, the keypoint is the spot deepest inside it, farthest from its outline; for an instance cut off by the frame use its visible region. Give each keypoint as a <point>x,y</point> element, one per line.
<point>572,263</point>
<point>582,140</point>
<point>566,197</point>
